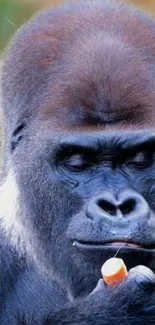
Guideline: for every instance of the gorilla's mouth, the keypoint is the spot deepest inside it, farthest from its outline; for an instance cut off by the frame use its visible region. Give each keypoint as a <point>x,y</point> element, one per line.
<point>114,245</point>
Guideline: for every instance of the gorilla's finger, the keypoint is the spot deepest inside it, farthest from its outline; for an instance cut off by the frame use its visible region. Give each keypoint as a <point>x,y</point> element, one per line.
<point>139,284</point>
<point>143,277</point>
<point>99,287</point>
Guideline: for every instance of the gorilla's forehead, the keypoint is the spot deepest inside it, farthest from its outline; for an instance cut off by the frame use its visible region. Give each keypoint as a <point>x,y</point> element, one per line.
<point>101,81</point>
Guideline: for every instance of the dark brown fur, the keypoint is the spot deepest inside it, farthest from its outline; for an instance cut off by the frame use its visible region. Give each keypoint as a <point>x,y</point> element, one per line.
<point>63,56</point>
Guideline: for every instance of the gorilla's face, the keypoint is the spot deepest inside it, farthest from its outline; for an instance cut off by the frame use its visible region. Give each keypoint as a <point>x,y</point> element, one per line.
<point>87,195</point>
<point>82,155</point>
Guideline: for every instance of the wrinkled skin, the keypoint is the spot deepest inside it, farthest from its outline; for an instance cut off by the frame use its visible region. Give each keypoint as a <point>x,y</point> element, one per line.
<point>78,91</point>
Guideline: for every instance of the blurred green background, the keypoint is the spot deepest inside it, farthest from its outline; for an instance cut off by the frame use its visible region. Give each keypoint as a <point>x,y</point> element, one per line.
<point>13,13</point>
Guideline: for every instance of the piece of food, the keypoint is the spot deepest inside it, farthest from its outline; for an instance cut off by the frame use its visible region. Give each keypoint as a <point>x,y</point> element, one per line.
<point>114,271</point>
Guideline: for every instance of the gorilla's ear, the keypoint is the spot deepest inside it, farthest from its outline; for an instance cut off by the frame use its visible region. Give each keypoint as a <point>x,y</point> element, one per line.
<point>17,135</point>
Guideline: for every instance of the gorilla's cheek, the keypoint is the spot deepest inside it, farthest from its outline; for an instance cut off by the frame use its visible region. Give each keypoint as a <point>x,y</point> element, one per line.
<point>58,203</point>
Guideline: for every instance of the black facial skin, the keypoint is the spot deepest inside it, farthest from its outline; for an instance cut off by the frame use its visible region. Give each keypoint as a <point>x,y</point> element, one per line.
<point>78,96</point>
<point>97,173</point>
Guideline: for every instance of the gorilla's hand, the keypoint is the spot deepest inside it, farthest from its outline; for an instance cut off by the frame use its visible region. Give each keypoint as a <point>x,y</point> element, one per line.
<point>132,301</point>
<point>129,303</point>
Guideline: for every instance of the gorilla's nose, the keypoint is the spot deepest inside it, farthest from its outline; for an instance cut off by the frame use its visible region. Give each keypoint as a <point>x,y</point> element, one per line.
<point>125,203</point>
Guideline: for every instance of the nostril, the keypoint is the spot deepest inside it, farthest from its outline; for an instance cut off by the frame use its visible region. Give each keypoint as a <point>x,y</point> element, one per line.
<point>107,207</point>
<point>127,206</point>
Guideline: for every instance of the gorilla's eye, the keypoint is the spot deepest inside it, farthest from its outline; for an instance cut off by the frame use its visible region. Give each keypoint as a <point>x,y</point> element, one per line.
<point>76,163</point>
<point>140,160</point>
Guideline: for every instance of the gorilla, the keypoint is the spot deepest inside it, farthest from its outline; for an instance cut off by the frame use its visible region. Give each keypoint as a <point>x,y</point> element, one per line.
<point>78,98</point>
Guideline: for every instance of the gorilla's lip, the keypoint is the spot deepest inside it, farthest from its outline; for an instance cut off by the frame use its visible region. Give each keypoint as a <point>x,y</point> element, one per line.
<point>122,244</point>
<point>117,244</point>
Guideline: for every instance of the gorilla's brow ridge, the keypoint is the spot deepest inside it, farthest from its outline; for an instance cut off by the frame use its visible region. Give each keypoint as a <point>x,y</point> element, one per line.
<point>101,141</point>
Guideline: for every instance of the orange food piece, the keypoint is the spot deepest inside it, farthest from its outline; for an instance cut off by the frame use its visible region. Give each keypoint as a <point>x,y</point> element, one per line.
<point>114,271</point>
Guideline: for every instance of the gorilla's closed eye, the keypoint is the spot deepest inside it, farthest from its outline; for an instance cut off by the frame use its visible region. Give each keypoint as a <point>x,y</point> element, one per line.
<point>77,163</point>
<point>140,160</point>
